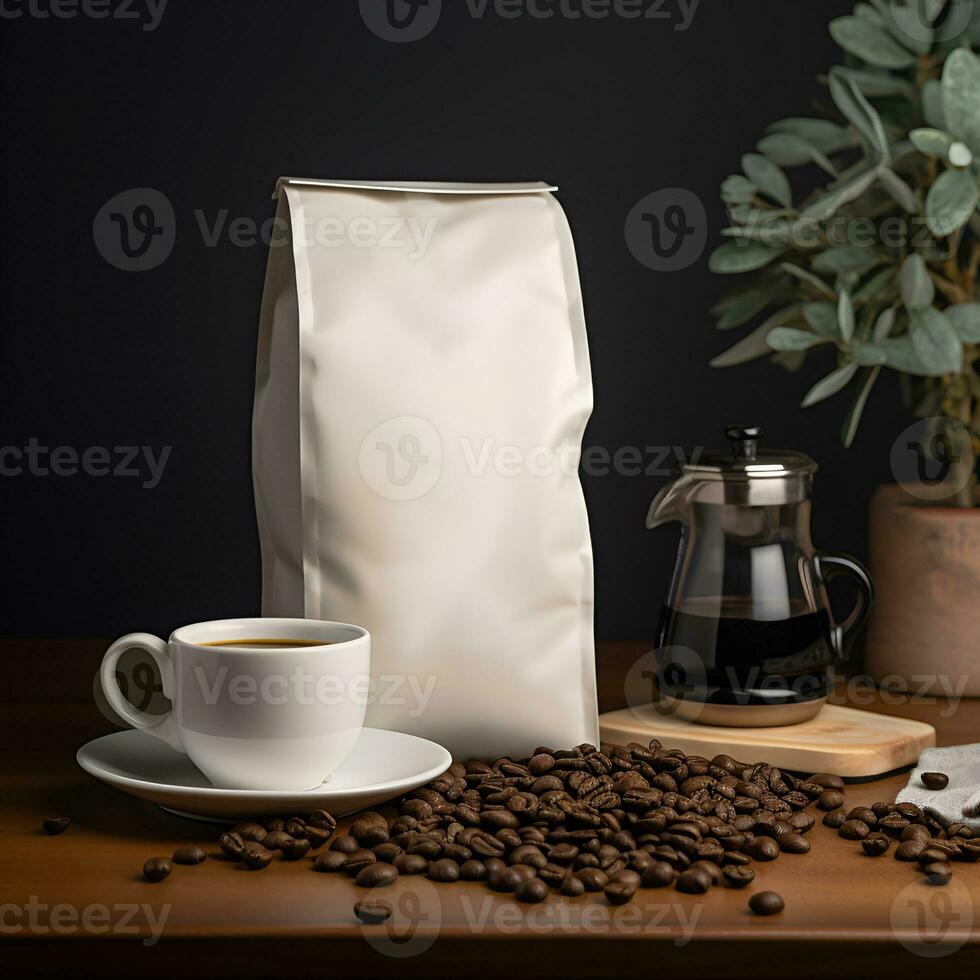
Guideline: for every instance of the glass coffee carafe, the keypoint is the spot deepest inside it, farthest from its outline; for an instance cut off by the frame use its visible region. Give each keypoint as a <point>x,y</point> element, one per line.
<point>747,636</point>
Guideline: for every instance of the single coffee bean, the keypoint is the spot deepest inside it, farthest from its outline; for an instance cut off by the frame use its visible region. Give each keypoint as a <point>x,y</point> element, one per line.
<point>593,879</point>
<point>445,870</point>
<point>893,823</point>
<point>931,852</point>
<point>232,845</point>
<point>619,892</point>
<point>572,887</point>
<point>909,850</point>
<point>827,780</point>
<point>762,849</point>
<point>319,819</point>
<point>793,844</point>
<point>275,839</point>
<point>56,825</point>
<point>156,869</point>
<point>493,864</point>
<point>525,871</point>
<point>504,879</point>
<point>864,814</point>
<point>255,856</point>
<point>189,854</point>
<point>377,875</point>
<point>766,903</point>
<point>854,830</point>
<point>694,881</point>
<point>294,849</point>
<point>345,844</point>
<point>916,831</point>
<point>874,845</point>
<point>554,874</point>
<point>830,799</point>
<point>532,890</point>
<point>658,875</point>
<point>935,780</point>
<point>472,870</point>
<point>250,831</point>
<point>540,765</point>
<point>938,873</point>
<point>387,852</point>
<point>802,822</point>
<point>738,876</point>
<point>329,861</point>
<point>411,864</point>
<point>835,820</point>
<point>372,913</point>
<point>357,860</point>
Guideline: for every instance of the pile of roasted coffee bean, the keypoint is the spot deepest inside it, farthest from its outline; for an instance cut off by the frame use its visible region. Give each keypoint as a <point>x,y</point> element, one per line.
<point>610,820</point>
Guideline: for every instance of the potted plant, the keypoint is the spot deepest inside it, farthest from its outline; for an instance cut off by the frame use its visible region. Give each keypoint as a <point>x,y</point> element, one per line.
<point>875,257</point>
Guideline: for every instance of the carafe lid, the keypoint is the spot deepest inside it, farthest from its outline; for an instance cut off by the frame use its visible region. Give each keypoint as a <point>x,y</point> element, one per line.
<point>747,474</point>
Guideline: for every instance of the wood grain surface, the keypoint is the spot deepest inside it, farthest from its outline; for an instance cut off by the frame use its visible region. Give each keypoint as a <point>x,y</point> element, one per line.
<point>77,904</point>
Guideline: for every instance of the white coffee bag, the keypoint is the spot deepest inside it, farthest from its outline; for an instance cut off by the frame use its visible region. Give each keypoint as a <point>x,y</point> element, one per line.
<point>422,391</point>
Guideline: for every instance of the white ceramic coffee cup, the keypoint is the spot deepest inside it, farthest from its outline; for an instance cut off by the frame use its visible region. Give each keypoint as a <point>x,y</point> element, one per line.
<point>281,718</point>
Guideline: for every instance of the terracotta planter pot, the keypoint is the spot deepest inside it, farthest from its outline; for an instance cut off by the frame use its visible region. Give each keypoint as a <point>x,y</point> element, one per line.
<point>925,560</point>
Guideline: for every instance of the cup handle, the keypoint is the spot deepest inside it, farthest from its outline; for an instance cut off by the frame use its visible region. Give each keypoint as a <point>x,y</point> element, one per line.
<point>829,567</point>
<point>160,726</point>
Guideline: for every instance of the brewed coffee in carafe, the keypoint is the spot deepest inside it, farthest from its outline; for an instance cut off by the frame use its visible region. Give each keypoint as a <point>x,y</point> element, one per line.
<point>746,635</point>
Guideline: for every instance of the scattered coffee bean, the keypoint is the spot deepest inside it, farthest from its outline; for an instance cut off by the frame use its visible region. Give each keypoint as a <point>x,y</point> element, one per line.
<point>156,869</point>
<point>738,876</point>
<point>793,844</point>
<point>372,913</point>
<point>766,903</point>
<point>854,830</point>
<point>255,856</point>
<point>189,854</point>
<point>864,814</point>
<point>935,780</point>
<point>915,831</point>
<point>53,826</point>
<point>294,848</point>
<point>830,799</point>
<point>619,892</point>
<point>658,875</point>
<point>345,844</point>
<point>571,887</point>
<point>472,870</point>
<point>874,845</point>
<point>250,831</point>
<point>827,780</point>
<point>444,870</point>
<point>532,890</point>
<point>376,875</point>
<point>358,860</point>
<point>762,849</point>
<point>411,864</point>
<point>329,861</point>
<point>694,881</point>
<point>232,845</point>
<point>593,879</point>
<point>938,873</point>
<point>504,879</point>
<point>909,850</point>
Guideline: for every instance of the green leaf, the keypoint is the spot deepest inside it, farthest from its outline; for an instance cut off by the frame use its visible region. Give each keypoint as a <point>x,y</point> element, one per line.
<point>791,339</point>
<point>932,142</point>
<point>935,342</point>
<point>876,84</point>
<point>788,150</point>
<point>960,155</point>
<point>873,287</point>
<point>834,382</point>
<point>823,318</point>
<point>898,189</point>
<point>951,202</point>
<point>840,194</point>
<point>918,290</point>
<point>896,353</point>
<point>808,278</point>
<point>867,12</point>
<point>846,260</point>
<point>966,321</point>
<point>905,25</point>
<point>961,97</point>
<point>768,178</point>
<point>825,135</point>
<point>932,104</point>
<point>739,309</point>
<point>845,315</point>
<point>754,344</point>
<point>884,325</point>
<point>737,190</point>
<point>869,43</point>
<point>859,112</point>
<point>735,257</point>
<point>853,420</point>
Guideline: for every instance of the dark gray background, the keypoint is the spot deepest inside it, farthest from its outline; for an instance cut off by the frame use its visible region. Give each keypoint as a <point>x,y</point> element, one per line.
<point>225,96</point>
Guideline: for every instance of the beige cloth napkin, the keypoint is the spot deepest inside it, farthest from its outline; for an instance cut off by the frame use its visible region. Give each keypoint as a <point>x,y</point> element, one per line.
<point>960,800</point>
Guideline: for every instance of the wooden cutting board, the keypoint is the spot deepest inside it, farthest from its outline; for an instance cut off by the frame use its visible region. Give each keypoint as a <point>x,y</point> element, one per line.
<point>851,743</point>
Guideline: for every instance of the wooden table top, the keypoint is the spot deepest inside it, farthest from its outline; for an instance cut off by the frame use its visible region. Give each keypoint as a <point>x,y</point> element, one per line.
<point>77,903</point>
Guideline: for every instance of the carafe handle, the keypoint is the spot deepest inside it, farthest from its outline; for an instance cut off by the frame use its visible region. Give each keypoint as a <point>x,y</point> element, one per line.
<point>829,567</point>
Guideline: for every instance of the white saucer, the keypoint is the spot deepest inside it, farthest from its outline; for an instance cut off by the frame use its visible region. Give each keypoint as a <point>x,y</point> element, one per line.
<point>381,766</point>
